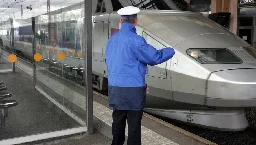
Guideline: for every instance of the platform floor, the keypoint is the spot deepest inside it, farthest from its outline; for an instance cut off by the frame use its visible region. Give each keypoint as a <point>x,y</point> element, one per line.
<point>5,66</point>
<point>34,114</point>
<point>94,139</point>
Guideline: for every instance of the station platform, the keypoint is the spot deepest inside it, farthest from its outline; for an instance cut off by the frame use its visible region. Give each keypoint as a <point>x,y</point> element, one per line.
<point>84,139</point>
<point>46,117</point>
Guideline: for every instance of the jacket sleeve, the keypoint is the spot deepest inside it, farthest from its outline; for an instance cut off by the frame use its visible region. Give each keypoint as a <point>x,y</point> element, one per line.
<point>147,54</point>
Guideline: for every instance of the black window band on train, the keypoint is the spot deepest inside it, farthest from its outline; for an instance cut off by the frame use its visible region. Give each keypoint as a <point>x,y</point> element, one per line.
<point>154,4</point>
<point>213,56</point>
<point>25,30</point>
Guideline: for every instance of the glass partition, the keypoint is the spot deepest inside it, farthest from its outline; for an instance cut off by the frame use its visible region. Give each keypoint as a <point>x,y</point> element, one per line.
<point>49,85</point>
<point>60,64</point>
<point>27,111</point>
<point>5,42</point>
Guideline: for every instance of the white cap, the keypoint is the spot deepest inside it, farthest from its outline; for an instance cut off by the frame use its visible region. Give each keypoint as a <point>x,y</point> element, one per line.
<point>129,10</point>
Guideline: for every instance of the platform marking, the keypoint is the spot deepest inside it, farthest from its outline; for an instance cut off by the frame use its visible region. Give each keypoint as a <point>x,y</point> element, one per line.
<point>6,71</point>
<point>103,113</point>
<point>43,136</point>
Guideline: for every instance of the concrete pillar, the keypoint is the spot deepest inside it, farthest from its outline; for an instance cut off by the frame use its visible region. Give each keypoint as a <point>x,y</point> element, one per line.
<point>225,5</point>
<point>234,15</point>
<point>216,6</point>
<point>220,6</point>
<point>188,1</point>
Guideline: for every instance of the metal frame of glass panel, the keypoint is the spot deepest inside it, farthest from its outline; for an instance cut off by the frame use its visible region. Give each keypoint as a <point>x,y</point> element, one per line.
<point>88,63</point>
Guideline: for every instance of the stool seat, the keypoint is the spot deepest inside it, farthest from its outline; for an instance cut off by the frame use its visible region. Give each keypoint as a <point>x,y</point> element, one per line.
<point>3,96</point>
<point>8,103</point>
<point>3,88</point>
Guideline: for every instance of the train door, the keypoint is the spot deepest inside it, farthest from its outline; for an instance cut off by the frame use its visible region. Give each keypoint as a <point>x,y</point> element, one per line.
<point>100,38</point>
<point>158,71</point>
<point>105,38</point>
<point>157,78</point>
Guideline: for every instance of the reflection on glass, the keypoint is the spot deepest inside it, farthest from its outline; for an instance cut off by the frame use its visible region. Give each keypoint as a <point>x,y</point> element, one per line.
<point>5,32</point>
<point>60,103</point>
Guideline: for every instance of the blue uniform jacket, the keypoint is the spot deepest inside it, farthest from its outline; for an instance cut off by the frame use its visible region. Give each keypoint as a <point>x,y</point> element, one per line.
<point>127,56</point>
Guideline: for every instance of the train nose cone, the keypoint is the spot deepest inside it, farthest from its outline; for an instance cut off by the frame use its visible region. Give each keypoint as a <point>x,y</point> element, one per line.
<point>232,88</point>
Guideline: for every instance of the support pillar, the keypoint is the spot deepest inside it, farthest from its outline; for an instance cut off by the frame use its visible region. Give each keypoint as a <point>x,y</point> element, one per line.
<point>225,5</point>
<point>12,42</point>
<point>216,6</point>
<point>87,46</point>
<point>34,50</point>
<point>234,16</point>
<point>49,20</point>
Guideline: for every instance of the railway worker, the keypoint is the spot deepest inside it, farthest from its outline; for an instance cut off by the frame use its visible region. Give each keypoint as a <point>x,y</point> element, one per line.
<point>127,56</point>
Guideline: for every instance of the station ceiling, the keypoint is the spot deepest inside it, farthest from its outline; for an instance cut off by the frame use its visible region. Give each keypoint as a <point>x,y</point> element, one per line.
<point>10,8</point>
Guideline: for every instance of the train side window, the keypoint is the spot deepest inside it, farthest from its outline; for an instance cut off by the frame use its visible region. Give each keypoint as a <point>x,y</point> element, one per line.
<point>158,71</point>
<point>97,40</point>
<point>101,7</point>
<point>98,7</point>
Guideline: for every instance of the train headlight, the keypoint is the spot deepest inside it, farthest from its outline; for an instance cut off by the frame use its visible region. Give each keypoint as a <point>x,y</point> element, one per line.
<point>194,54</point>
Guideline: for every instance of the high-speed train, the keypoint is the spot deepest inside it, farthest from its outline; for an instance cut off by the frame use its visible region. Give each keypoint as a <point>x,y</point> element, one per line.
<point>209,81</point>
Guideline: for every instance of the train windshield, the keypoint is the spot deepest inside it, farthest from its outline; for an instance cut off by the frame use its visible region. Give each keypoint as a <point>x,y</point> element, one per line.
<point>213,56</point>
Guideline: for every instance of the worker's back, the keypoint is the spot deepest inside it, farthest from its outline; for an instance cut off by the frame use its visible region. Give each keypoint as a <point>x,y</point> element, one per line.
<point>124,69</point>
<point>127,56</point>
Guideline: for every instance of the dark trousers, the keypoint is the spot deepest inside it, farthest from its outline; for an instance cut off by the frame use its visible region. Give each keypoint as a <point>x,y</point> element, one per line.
<point>134,127</point>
